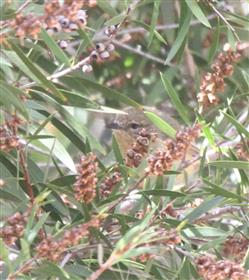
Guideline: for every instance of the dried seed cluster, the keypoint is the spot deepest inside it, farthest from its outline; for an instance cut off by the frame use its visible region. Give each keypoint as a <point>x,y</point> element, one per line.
<point>213,82</point>
<point>243,150</point>
<point>68,16</point>
<point>174,150</point>
<point>13,228</point>
<point>109,183</point>
<point>8,135</point>
<point>139,148</point>
<point>236,247</point>
<point>85,185</point>
<point>101,52</point>
<point>210,269</point>
<point>53,250</point>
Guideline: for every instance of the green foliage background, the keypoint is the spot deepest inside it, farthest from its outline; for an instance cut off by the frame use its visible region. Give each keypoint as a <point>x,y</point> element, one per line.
<point>156,67</point>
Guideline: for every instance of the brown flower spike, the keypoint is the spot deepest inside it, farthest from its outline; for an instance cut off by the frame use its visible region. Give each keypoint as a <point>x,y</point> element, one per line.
<point>14,228</point>
<point>109,183</point>
<point>85,185</point>
<point>162,160</point>
<point>139,148</point>
<point>53,250</point>
<point>8,134</point>
<point>236,247</point>
<point>210,269</point>
<point>68,17</point>
<point>213,82</point>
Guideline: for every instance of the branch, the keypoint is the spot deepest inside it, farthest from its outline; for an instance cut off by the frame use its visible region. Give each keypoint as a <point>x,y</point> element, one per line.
<point>218,212</point>
<point>100,35</point>
<point>139,52</point>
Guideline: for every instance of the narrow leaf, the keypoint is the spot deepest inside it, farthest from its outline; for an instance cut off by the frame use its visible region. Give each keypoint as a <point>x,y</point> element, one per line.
<point>183,30</point>
<point>154,18</point>
<point>53,46</point>
<point>203,208</point>
<point>215,43</point>
<point>230,164</point>
<point>175,99</point>
<point>159,192</point>
<point>148,28</point>
<point>9,95</point>
<point>111,94</point>
<point>197,12</point>
<point>238,126</point>
<point>39,75</point>
<point>161,124</point>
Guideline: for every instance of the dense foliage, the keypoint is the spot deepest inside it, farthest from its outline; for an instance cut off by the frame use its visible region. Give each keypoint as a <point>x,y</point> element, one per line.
<point>157,199</point>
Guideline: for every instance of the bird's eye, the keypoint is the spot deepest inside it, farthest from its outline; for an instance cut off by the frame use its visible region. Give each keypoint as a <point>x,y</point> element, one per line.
<point>134,125</point>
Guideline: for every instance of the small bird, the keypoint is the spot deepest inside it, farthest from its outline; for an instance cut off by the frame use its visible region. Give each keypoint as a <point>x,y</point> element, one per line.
<point>126,128</point>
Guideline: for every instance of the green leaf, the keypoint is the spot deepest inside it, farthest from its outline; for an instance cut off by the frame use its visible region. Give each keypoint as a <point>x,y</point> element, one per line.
<point>206,131</point>
<point>25,249</point>
<point>197,12</point>
<point>9,95</point>
<point>4,254</point>
<point>230,164</point>
<point>162,192</point>
<point>53,46</point>
<point>42,125</point>
<point>161,124</point>
<point>180,108</point>
<point>110,93</point>
<point>246,259</point>
<point>154,18</point>
<point>148,28</point>
<point>107,7</point>
<point>238,126</point>
<point>215,189</point>
<point>117,151</point>
<point>203,208</point>
<point>182,32</point>
<point>31,234</point>
<point>38,74</point>
<point>215,43</point>
<point>15,59</point>
<point>66,131</point>
<point>78,128</point>
<point>87,40</point>
<point>77,99</point>
<point>48,269</point>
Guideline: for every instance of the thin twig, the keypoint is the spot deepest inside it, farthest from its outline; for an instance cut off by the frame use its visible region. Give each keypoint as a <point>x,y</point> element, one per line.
<point>95,275</point>
<point>215,213</point>
<point>140,52</point>
<point>184,253</point>
<point>24,5</point>
<point>224,19</point>
<point>26,177</point>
